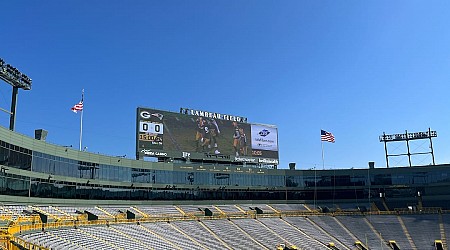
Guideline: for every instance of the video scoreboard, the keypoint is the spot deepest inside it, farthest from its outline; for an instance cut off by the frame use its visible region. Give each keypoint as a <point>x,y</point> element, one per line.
<point>198,135</point>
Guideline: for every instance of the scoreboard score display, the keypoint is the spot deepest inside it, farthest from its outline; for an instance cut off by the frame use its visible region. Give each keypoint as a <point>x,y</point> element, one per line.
<point>168,134</point>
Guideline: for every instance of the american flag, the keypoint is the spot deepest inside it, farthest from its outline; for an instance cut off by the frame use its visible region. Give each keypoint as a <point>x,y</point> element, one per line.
<point>79,106</point>
<point>326,136</point>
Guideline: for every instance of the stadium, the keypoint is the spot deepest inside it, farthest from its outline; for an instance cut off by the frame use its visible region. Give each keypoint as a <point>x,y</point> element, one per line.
<point>212,182</point>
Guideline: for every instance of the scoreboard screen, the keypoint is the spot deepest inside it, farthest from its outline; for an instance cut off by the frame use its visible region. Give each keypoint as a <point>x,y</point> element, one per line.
<point>161,133</point>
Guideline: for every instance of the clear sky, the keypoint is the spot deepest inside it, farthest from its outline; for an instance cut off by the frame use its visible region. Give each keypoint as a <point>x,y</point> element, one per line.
<point>354,68</point>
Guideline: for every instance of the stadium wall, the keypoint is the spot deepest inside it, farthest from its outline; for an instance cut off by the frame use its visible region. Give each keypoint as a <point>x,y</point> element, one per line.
<point>32,170</point>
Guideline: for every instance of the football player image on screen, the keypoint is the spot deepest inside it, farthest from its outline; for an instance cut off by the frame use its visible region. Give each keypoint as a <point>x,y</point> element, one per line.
<point>213,132</point>
<point>242,142</point>
<point>201,136</point>
<point>236,137</point>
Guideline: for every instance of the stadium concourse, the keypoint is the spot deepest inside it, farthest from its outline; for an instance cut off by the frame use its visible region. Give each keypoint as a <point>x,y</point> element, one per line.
<point>239,226</point>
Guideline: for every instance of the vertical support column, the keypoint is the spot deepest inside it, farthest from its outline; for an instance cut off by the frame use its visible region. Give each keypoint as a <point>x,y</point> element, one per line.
<point>12,118</point>
<point>407,146</point>
<point>431,146</point>
<point>385,150</point>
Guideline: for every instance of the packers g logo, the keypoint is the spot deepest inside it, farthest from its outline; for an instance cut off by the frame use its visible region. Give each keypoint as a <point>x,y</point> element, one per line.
<point>145,115</point>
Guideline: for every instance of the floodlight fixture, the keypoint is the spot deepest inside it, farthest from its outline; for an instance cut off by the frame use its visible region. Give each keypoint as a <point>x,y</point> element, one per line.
<point>13,76</point>
<point>17,80</point>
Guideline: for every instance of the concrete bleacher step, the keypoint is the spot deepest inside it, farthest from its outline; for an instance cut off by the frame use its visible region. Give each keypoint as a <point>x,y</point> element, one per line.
<point>140,212</point>
<point>104,211</point>
<point>405,230</point>
<point>308,208</point>
<point>273,209</point>
<point>442,232</point>
<point>242,210</point>
<point>64,213</point>
<point>360,246</point>
<point>373,207</point>
<point>220,210</point>
<point>180,210</point>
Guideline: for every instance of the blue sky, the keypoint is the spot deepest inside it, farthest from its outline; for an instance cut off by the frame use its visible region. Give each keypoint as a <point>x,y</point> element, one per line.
<point>355,68</point>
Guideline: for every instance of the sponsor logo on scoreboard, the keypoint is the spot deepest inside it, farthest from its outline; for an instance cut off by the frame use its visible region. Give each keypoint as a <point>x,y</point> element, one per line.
<point>264,137</point>
<point>148,152</point>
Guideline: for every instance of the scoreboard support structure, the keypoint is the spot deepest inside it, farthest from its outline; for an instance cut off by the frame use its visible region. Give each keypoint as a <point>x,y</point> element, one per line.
<point>408,137</point>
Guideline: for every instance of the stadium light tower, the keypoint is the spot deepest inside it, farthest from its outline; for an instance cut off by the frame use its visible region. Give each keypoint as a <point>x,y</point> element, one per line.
<point>17,80</point>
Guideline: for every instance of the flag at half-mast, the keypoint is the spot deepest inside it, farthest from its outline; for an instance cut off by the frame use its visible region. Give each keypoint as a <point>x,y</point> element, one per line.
<point>326,136</point>
<point>79,106</point>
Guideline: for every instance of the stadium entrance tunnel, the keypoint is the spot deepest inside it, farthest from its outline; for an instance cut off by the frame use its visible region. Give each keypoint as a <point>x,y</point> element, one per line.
<point>286,247</point>
<point>438,245</point>
<point>394,245</point>
<point>208,212</point>
<point>132,216</point>
<point>91,216</point>
<point>360,246</point>
<point>332,246</point>
<point>259,210</point>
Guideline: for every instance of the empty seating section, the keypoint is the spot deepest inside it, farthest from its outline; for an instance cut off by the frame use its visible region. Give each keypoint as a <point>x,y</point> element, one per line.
<point>196,231</point>
<point>424,229</point>
<point>359,227</point>
<point>291,234</point>
<point>49,210</point>
<point>16,209</point>
<point>144,238</point>
<point>159,210</point>
<point>329,224</point>
<point>80,238</point>
<point>288,207</point>
<point>390,229</point>
<point>192,210</point>
<point>114,211</point>
<point>212,209</point>
<point>114,238</point>
<point>76,211</point>
<point>258,232</point>
<point>165,230</point>
<point>229,209</point>
<point>48,240</point>
<point>96,211</point>
<point>353,207</point>
<point>231,235</point>
<point>304,225</point>
<point>72,211</point>
<point>265,208</point>
<point>238,231</point>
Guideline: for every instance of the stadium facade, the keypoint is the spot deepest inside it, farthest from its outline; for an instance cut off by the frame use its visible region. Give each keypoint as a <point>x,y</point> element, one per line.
<point>34,169</point>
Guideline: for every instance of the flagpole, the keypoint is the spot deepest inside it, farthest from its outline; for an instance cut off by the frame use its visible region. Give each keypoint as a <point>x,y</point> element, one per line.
<point>323,158</point>
<point>81,120</point>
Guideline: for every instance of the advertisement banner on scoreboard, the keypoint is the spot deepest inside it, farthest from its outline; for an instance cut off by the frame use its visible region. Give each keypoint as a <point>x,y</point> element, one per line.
<point>164,131</point>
